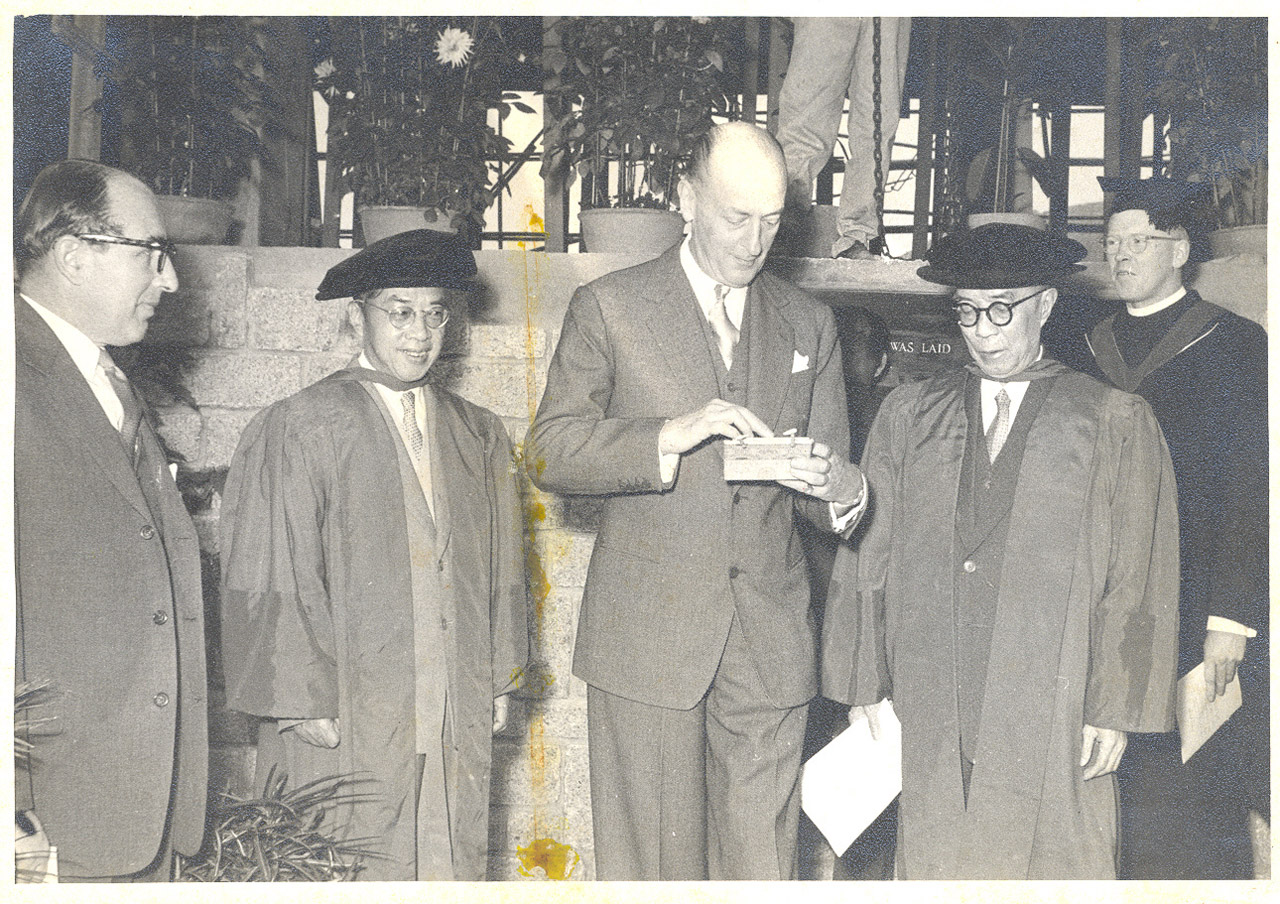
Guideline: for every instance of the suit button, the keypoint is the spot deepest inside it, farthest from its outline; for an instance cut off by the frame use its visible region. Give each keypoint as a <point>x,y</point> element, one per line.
<point>737,497</point>
<point>147,532</point>
<point>733,571</point>
<point>160,617</point>
<point>970,566</point>
<point>733,387</point>
<point>161,699</point>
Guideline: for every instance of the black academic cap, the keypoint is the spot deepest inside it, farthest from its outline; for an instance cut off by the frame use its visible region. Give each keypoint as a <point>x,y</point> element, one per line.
<point>421,257</point>
<point>1168,202</point>
<point>1001,256</point>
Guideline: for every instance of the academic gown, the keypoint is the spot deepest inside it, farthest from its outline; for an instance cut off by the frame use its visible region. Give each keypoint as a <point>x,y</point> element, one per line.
<point>1084,630</point>
<point>318,617</point>
<point>1207,384</point>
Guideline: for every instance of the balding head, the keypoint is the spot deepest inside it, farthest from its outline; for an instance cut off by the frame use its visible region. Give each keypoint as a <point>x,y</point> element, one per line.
<point>732,198</point>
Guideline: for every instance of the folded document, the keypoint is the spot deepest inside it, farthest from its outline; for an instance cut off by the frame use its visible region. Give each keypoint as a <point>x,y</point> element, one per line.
<point>1198,718</point>
<point>848,783</point>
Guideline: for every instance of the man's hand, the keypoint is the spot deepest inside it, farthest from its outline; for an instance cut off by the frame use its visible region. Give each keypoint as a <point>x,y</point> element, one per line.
<point>716,418</point>
<point>501,710</point>
<point>318,732</point>
<point>1110,747</point>
<point>870,714</point>
<point>1223,651</point>
<point>827,476</point>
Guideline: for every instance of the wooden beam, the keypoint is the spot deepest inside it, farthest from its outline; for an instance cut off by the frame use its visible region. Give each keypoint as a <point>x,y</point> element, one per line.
<point>88,35</point>
<point>751,68</point>
<point>779,57</point>
<point>1060,144</point>
<point>555,191</point>
<point>920,220</point>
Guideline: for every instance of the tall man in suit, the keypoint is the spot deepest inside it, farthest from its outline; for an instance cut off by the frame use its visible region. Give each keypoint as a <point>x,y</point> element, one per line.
<point>695,636</point>
<point>109,612</point>
<point>1204,372</point>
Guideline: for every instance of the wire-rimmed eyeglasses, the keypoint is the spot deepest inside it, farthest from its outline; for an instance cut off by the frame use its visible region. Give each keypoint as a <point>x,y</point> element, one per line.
<point>1000,313</point>
<point>402,316</point>
<point>164,248</point>
<point>1135,243</point>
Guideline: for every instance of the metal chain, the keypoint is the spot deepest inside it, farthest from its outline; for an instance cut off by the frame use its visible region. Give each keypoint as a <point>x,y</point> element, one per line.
<point>876,125</point>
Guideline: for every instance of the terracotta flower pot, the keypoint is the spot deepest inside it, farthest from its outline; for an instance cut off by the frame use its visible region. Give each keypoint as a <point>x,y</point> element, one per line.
<point>630,230</point>
<point>195,221</point>
<point>382,221</point>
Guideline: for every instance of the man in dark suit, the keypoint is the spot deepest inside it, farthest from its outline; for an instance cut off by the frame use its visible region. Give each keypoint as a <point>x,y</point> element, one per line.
<point>109,612</point>
<point>1204,371</point>
<point>695,636</point>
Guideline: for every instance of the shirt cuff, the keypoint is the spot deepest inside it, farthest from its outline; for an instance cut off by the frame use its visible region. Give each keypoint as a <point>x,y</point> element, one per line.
<point>839,523</point>
<point>668,464</point>
<point>283,725</point>
<point>1218,623</point>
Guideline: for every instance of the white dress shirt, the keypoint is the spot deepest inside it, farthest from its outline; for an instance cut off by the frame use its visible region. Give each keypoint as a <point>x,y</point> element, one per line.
<point>85,355</point>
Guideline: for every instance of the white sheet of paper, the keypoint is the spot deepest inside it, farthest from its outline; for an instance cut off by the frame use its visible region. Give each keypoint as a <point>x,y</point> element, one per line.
<point>1198,719</point>
<point>848,783</point>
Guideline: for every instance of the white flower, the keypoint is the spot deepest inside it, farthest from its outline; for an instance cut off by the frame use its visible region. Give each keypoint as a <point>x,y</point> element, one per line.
<point>702,20</point>
<point>453,46</point>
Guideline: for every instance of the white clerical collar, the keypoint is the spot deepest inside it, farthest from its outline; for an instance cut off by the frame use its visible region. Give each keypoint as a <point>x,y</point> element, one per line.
<point>704,288</point>
<point>84,352</point>
<point>1149,309</point>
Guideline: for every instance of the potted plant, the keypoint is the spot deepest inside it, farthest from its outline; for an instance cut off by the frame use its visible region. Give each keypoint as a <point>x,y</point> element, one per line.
<point>634,94</point>
<point>1209,89</point>
<point>409,103</point>
<point>194,105</point>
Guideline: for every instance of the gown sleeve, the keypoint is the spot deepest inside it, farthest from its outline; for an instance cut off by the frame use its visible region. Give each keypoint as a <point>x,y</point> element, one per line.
<point>508,616</point>
<point>1134,628</point>
<point>277,621</point>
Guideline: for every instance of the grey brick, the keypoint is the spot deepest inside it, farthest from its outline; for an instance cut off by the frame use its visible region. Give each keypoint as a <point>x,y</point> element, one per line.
<point>244,381</point>
<point>222,431</point>
<point>181,429</point>
<point>292,319</point>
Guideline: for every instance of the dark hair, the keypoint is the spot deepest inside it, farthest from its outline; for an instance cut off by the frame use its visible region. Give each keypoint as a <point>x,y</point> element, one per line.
<point>66,198</point>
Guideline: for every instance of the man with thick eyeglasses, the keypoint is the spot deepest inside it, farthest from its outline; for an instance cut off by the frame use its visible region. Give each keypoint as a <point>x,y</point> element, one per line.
<point>1204,371</point>
<point>162,249</point>
<point>109,610</point>
<point>1012,589</point>
<point>373,575</point>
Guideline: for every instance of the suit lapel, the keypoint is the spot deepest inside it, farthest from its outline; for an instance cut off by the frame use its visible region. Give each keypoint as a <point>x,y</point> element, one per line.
<point>72,407</point>
<point>771,347</point>
<point>676,327</point>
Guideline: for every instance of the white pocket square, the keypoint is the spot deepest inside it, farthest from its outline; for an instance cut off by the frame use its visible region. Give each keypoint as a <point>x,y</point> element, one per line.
<point>799,363</point>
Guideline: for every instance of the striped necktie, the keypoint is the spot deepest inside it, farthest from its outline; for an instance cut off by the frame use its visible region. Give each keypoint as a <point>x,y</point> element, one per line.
<point>999,431</point>
<point>411,429</point>
<point>722,326</point>
<point>128,401</point>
